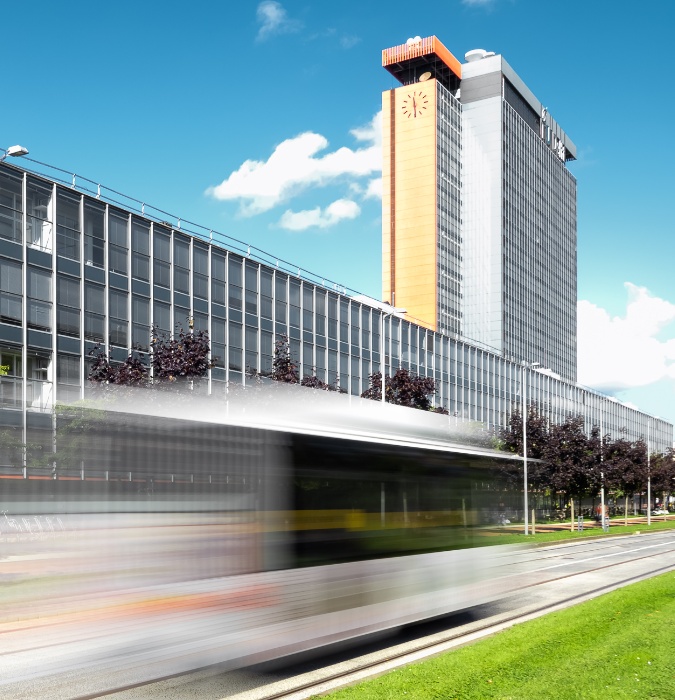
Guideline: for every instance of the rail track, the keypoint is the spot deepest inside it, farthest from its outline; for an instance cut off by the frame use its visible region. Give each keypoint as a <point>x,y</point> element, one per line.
<point>552,577</point>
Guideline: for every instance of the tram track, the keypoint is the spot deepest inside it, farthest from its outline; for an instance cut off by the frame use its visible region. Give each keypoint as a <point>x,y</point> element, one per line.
<point>371,669</point>
<point>359,668</point>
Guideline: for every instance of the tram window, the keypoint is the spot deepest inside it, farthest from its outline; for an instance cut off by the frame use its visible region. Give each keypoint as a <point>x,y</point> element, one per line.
<point>356,500</point>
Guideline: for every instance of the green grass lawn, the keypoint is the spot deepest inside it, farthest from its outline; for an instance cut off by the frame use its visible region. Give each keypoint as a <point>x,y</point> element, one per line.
<point>512,536</point>
<point>621,645</point>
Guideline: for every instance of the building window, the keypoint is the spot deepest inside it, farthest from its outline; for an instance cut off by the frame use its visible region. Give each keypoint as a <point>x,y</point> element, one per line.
<point>67,225</point>
<point>265,294</point>
<point>217,279</point>
<point>68,306</point>
<point>118,245</point>
<point>68,377</point>
<point>11,209</point>
<point>251,281</point>
<point>332,317</point>
<point>38,215</point>
<point>181,317</point>
<point>251,348</point>
<point>235,346</point>
<point>39,299</point>
<point>10,379</point>
<point>38,386</point>
<point>161,315</point>
<point>181,266</point>
<point>307,307</point>
<point>332,367</point>
<point>294,303</point>
<point>218,342</point>
<point>200,322</point>
<point>94,234</point>
<point>235,287</point>
<point>140,319</point>
<point>280,302</point>
<point>162,260</point>
<point>266,352</point>
<point>140,250</point>
<point>119,318</point>
<point>200,274</point>
<point>11,289</point>
<point>320,312</point>
<point>94,312</point>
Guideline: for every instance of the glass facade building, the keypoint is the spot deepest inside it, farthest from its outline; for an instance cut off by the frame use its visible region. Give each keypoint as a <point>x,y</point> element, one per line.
<point>77,270</point>
<point>449,214</point>
<point>479,208</point>
<point>519,221</point>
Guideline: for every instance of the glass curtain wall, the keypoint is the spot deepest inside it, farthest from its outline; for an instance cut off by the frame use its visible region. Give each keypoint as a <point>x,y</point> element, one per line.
<point>117,273</point>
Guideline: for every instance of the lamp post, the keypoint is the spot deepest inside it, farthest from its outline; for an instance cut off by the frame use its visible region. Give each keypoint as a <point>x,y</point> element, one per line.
<point>524,409</point>
<point>649,480</point>
<point>385,313</point>
<point>14,152</point>
<point>602,480</point>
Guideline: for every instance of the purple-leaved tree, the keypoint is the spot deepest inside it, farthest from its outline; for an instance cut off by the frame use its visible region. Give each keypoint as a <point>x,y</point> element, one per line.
<point>183,356</point>
<point>404,389</point>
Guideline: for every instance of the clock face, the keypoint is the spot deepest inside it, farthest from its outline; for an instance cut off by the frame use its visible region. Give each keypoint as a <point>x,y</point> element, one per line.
<point>415,104</point>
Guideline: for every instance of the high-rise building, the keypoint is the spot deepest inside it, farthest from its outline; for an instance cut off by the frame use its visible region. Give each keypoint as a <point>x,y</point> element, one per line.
<point>479,208</point>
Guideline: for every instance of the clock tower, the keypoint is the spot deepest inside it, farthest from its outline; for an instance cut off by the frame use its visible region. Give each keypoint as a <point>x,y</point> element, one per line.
<point>420,208</point>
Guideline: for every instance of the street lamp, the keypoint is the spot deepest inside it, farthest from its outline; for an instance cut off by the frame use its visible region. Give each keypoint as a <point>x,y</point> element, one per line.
<point>14,151</point>
<point>602,480</point>
<point>649,479</point>
<point>523,393</point>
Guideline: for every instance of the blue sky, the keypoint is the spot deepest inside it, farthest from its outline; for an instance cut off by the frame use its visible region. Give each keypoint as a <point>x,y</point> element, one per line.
<point>272,106</point>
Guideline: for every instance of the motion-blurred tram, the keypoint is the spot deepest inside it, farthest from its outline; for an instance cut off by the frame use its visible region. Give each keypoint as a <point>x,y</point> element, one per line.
<point>191,532</point>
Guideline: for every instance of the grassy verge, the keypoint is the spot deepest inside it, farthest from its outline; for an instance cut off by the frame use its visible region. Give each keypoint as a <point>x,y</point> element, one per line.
<point>617,646</point>
<point>616,528</point>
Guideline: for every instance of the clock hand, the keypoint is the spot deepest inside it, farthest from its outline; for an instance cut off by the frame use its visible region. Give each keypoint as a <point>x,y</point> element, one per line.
<point>414,106</point>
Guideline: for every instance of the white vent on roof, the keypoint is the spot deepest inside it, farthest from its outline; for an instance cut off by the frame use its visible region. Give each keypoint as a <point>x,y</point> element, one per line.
<point>475,55</point>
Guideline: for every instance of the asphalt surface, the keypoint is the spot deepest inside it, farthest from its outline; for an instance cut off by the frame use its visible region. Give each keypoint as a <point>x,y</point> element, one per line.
<point>552,577</point>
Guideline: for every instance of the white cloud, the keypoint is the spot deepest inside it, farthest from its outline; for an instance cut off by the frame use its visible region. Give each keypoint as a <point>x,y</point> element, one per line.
<point>317,218</point>
<point>479,3</point>
<point>370,132</point>
<point>273,19</point>
<point>348,41</point>
<point>295,165</point>
<point>618,353</point>
<point>374,189</point>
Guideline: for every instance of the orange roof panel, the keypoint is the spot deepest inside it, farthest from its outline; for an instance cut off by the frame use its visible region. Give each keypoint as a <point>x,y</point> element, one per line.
<point>429,47</point>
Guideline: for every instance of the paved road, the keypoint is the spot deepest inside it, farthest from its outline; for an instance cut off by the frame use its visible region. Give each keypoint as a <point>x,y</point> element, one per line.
<point>548,577</point>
